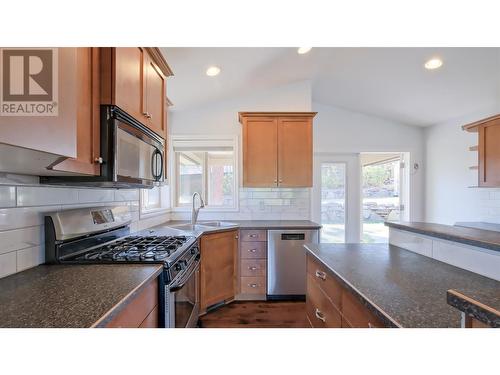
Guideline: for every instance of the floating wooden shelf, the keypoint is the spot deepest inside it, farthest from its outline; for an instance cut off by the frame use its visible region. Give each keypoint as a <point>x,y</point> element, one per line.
<point>474,168</point>
<point>474,126</point>
<point>473,148</point>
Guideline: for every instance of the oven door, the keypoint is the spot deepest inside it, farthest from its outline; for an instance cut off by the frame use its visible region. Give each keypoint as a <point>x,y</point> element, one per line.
<point>139,158</point>
<point>184,300</point>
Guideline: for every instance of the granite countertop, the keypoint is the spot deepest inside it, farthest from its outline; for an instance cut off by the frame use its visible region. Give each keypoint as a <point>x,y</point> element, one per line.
<point>74,296</point>
<point>473,306</point>
<point>169,228</point>
<point>486,239</point>
<point>403,288</point>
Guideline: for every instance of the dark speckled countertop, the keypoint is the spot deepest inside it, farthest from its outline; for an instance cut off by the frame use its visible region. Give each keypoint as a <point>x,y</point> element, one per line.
<point>70,295</point>
<point>486,239</point>
<point>404,288</point>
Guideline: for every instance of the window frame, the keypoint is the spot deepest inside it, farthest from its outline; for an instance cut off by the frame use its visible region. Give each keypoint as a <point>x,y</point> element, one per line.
<point>165,206</point>
<point>199,141</point>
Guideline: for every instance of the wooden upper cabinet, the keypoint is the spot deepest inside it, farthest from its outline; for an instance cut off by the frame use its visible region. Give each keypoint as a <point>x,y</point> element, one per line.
<point>277,149</point>
<point>88,116</point>
<point>260,152</point>
<point>488,150</point>
<point>218,267</point>
<point>134,79</point>
<point>129,80</point>
<point>154,103</point>
<point>295,151</point>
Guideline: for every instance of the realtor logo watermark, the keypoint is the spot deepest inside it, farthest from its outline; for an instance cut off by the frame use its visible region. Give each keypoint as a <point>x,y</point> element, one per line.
<point>29,82</point>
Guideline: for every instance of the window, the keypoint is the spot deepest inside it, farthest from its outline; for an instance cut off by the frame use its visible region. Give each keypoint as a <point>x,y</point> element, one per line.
<point>155,201</point>
<point>207,167</point>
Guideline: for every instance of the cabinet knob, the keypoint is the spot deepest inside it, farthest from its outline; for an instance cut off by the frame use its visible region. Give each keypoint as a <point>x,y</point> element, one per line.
<point>252,268</point>
<point>236,237</point>
<point>252,285</point>
<point>147,114</point>
<point>320,275</point>
<point>320,315</point>
<point>280,181</point>
<point>252,250</point>
<point>252,235</point>
<point>98,160</point>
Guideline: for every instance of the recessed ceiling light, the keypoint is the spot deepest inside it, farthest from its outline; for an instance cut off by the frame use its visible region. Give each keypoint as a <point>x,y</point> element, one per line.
<point>213,71</point>
<point>433,63</point>
<point>303,50</point>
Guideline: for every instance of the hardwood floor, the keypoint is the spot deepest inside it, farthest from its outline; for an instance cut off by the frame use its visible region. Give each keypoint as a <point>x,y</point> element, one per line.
<point>257,314</point>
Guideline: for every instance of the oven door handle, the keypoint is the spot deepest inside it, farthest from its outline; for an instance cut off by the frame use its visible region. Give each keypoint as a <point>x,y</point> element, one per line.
<point>180,284</point>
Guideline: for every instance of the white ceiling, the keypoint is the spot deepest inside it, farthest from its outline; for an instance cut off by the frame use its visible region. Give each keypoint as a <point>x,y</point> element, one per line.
<point>387,82</point>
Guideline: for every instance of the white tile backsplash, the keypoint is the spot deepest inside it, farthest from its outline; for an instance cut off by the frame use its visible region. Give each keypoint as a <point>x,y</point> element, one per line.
<point>22,210</point>
<point>7,196</point>
<point>490,205</point>
<point>44,196</point>
<point>8,263</point>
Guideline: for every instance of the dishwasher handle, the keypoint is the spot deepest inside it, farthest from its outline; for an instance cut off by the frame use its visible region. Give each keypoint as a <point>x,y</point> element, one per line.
<point>293,236</point>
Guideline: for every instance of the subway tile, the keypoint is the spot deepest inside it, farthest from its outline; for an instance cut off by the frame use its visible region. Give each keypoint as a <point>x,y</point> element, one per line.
<point>266,216</point>
<point>127,195</point>
<point>95,195</point>
<point>30,257</point>
<point>265,194</point>
<point>22,217</point>
<point>17,239</point>
<point>45,196</point>
<point>7,196</point>
<point>273,202</point>
<point>7,264</point>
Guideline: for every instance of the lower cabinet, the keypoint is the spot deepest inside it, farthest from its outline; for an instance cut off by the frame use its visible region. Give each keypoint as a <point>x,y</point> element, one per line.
<point>330,305</point>
<point>218,268</point>
<point>141,312</point>
<point>253,264</point>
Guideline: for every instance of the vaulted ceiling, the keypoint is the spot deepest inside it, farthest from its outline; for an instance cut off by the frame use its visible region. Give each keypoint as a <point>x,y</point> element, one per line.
<point>386,82</point>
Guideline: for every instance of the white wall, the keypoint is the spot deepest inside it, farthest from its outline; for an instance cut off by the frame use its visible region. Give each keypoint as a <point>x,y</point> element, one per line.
<point>448,196</point>
<point>341,131</point>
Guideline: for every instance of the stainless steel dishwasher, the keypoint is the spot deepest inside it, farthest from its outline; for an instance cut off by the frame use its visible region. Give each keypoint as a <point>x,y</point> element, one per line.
<point>286,262</point>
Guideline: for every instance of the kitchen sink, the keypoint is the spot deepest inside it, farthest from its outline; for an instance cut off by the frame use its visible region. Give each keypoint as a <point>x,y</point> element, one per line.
<point>218,224</point>
<point>191,227</point>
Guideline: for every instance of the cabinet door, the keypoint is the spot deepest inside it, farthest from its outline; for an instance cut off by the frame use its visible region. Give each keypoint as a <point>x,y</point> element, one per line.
<point>128,84</point>
<point>295,152</point>
<point>489,154</point>
<point>260,154</point>
<point>88,119</point>
<point>217,272</point>
<point>154,96</point>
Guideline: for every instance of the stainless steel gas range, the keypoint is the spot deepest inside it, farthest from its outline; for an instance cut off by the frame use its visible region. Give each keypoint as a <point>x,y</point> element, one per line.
<point>102,235</point>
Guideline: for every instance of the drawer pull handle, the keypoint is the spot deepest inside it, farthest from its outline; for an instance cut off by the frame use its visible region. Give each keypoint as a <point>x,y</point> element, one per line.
<point>320,275</point>
<point>319,315</point>
<point>252,285</point>
<point>253,235</point>
<point>253,268</point>
<point>252,250</point>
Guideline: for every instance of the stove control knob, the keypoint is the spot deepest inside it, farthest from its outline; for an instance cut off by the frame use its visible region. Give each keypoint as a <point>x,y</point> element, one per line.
<point>178,267</point>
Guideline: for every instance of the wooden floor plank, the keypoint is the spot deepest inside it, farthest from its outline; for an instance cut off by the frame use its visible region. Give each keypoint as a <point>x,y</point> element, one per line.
<point>257,314</point>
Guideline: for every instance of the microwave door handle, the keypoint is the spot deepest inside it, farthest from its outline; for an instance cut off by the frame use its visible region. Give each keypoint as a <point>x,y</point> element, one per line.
<point>154,164</point>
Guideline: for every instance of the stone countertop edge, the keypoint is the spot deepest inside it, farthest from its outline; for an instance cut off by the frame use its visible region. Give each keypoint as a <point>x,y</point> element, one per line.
<point>473,308</point>
<point>120,306</point>
<point>388,321</point>
<point>438,232</point>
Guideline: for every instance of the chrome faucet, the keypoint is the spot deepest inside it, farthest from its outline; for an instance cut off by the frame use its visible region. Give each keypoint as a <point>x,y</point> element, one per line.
<point>194,213</point>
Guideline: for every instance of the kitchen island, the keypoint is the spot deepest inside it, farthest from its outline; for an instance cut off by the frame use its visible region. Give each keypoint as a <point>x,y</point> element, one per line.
<point>402,288</point>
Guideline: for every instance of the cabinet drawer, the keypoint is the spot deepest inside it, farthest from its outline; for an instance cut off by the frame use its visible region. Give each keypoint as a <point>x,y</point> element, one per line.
<point>253,250</point>
<point>325,280</point>
<point>259,235</point>
<point>253,267</point>
<point>320,311</point>
<point>356,314</point>
<point>253,285</point>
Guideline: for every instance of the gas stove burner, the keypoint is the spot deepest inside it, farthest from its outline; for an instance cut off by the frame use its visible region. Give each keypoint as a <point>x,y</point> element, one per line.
<point>136,249</point>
